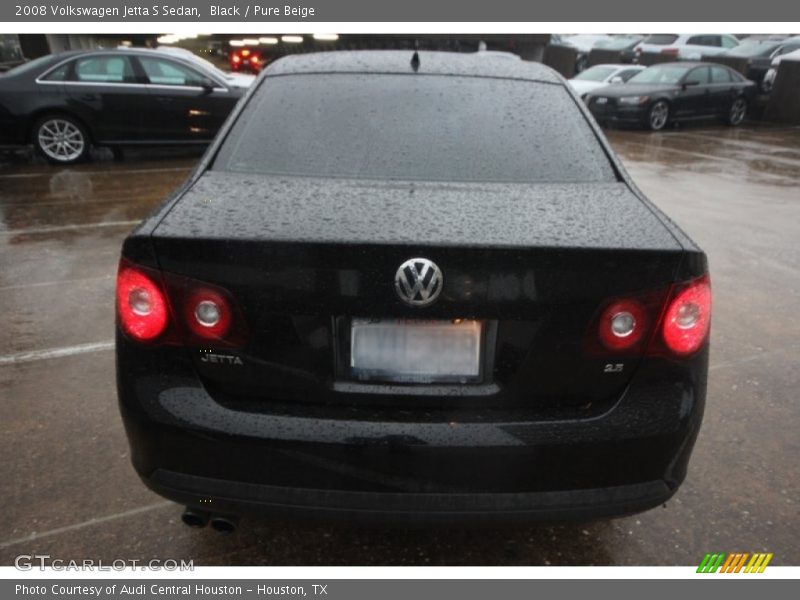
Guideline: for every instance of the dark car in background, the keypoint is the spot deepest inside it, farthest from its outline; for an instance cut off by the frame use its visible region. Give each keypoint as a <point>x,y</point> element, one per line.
<point>672,92</point>
<point>391,290</point>
<point>624,44</point>
<point>65,103</point>
<point>759,55</point>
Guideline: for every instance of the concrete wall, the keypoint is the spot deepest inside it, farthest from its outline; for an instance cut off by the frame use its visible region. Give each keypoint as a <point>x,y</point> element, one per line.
<point>561,58</point>
<point>783,105</point>
<point>601,56</point>
<point>655,58</point>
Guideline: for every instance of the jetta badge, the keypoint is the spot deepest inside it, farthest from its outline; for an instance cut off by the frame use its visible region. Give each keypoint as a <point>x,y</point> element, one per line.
<point>418,282</point>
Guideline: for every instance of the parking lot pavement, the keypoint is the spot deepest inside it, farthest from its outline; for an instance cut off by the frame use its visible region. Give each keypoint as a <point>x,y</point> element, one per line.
<point>67,487</point>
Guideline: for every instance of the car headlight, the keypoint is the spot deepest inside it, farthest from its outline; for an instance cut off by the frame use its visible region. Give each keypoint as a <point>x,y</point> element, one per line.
<point>633,100</point>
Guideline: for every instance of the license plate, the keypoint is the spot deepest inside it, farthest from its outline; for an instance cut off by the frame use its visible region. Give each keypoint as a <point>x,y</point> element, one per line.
<point>415,350</point>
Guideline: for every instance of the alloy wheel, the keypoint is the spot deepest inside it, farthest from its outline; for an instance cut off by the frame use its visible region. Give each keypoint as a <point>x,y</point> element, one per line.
<point>738,111</point>
<point>659,113</point>
<point>61,140</point>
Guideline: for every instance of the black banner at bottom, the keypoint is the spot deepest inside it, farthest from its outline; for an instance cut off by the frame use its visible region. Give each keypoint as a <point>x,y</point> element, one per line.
<point>383,589</point>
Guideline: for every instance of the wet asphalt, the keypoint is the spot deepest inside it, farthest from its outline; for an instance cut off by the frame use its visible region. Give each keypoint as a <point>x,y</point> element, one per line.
<point>68,490</point>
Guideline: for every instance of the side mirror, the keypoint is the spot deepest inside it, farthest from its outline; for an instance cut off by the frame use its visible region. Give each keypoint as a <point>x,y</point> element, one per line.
<point>616,79</point>
<point>208,85</point>
<point>687,84</point>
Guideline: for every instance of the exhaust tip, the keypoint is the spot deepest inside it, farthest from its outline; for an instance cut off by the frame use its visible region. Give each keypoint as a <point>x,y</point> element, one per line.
<point>224,524</point>
<point>195,518</point>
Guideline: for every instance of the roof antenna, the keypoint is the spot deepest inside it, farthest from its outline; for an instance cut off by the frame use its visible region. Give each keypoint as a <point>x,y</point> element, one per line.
<point>415,58</point>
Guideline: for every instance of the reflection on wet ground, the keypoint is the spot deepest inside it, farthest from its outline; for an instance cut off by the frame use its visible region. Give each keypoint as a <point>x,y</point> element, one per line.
<point>69,491</point>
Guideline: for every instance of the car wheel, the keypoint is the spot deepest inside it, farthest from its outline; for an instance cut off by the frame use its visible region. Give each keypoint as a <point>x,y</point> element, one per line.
<point>658,115</point>
<point>737,112</point>
<point>61,139</point>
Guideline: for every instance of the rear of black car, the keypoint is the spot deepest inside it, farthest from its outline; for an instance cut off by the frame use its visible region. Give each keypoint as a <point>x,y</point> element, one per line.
<point>270,358</point>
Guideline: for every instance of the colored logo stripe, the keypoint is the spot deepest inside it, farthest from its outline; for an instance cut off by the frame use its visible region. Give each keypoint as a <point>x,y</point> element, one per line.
<point>758,563</point>
<point>734,563</point>
<point>711,562</point>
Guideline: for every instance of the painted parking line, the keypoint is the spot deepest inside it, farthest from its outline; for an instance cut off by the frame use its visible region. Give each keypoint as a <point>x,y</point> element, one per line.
<point>77,227</point>
<point>48,353</point>
<point>96,521</point>
<point>22,286</point>
<point>104,172</point>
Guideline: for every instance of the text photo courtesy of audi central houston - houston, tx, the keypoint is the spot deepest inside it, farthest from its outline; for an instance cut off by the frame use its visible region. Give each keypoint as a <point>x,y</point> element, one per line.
<point>400,299</point>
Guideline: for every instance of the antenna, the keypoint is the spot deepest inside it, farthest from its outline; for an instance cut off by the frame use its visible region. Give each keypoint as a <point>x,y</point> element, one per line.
<point>415,57</point>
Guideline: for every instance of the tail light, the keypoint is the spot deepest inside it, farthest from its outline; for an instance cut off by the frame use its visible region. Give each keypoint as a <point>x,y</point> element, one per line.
<point>141,303</point>
<point>171,309</point>
<point>668,322</point>
<point>236,58</point>
<point>688,318</point>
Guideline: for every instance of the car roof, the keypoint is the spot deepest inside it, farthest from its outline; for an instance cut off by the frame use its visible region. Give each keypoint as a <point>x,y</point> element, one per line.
<point>399,61</point>
<point>689,64</point>
<point>618,66</point>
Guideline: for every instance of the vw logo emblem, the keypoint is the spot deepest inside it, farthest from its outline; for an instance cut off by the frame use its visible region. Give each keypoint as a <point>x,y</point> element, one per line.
<point>418,282</point>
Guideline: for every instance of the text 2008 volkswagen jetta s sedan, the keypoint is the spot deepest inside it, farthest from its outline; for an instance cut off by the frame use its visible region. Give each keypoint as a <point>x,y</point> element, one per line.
<point>411,287</point>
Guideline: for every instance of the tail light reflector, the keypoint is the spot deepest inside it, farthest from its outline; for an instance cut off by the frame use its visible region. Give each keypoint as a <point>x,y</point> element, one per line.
<point>141,304</point>
<point>208,314</point>
<point>688,318</point>
<point>622,325</point>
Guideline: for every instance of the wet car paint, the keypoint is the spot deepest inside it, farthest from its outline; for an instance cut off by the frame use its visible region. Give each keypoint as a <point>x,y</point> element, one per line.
<point>69,490</point>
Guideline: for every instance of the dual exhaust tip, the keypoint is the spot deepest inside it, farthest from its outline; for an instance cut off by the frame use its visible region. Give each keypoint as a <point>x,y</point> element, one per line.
<point>200,518</point>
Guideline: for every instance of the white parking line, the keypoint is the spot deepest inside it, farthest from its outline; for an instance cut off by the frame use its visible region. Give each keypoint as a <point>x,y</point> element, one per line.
<point>34,355</point>
<point>78,226</point>
<point>107,172</point>
<point>97,521</point>
<point>22,286</point>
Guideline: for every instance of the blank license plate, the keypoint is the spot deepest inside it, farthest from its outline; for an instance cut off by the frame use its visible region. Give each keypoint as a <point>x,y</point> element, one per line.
<point>415,351</point>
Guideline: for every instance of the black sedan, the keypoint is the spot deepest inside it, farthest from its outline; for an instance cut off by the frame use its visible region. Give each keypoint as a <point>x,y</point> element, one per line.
<point>391,290</point>
<point>65,103</point>
<point>672,92</point>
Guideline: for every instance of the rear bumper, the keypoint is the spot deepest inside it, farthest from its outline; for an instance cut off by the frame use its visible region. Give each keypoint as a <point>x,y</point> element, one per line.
<point>408,466</point>
<point>226,497</point>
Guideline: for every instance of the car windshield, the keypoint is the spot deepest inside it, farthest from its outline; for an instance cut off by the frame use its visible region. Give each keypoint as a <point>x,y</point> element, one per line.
<point>617,44</point>
<point>598,73</point>
<point>31,65</point>
<point>414,127</point>
<point>660,74</point>
<point>661,39</point>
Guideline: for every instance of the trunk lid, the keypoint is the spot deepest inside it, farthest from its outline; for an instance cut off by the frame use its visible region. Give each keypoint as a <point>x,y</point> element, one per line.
<point>302,256</point>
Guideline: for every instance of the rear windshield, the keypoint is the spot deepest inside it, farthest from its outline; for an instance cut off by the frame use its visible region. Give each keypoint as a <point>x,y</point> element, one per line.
<point>753,49</point>
<point>661,39</point>
<point>414,127</point>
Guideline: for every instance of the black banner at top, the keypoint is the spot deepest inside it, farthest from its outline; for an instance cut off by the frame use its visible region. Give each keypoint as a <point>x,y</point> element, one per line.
<point>265,11</point>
